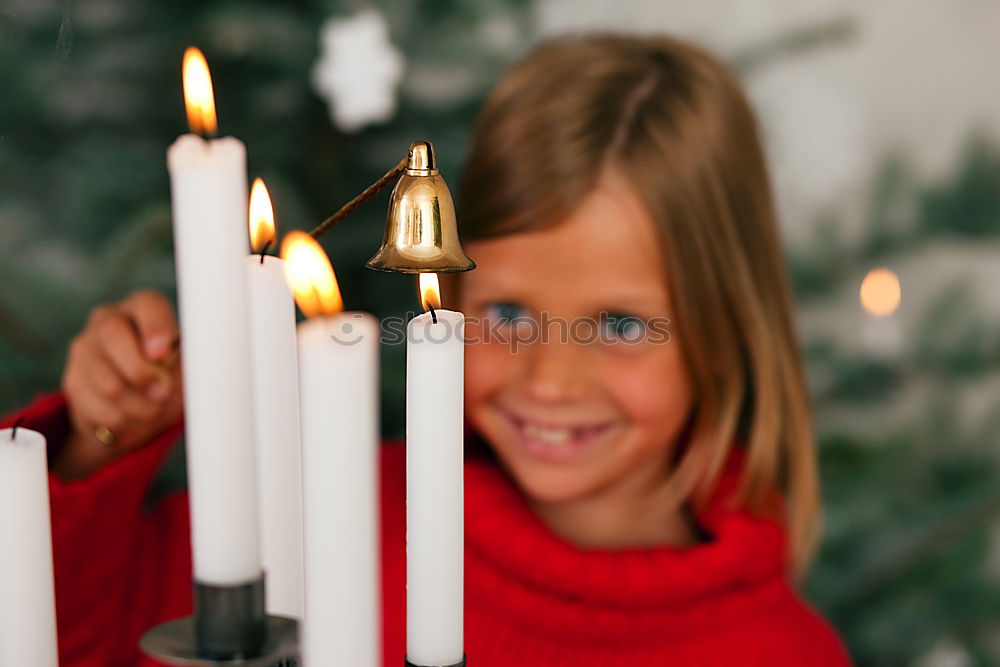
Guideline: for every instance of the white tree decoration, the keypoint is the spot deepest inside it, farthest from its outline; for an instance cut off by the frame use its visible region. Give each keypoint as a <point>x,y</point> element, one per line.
<point>358,70</point>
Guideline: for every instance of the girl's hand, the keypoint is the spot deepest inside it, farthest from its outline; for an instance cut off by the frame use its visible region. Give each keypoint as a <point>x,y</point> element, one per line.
<point>122,382</point>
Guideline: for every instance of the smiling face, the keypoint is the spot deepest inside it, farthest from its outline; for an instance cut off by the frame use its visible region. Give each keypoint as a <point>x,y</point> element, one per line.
<point>571,419</point>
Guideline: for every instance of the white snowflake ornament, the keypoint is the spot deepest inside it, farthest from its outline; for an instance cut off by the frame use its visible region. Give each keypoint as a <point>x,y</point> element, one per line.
<point>358,70</point>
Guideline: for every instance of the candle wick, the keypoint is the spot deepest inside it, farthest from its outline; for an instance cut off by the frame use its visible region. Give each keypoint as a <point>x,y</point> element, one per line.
<point>434,316</point>
<point>204,133</point>
<point>264,248</point>
<point>13,430</point>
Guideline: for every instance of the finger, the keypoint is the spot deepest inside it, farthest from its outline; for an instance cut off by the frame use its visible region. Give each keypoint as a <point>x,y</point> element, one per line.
<point>139,407</point>
<point>104,377</point>
<point>161,388</point>
<point>98,314</point>
<point>86,372</point>
<point>89,408</point>
<point>96,374</point>
<point>131,418</point>
<point>154,317</point>
<point>118,341</point>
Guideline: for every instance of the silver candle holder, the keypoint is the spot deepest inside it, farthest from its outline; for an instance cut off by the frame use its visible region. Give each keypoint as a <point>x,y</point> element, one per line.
<point>457,664</point>
<point>229,627</point>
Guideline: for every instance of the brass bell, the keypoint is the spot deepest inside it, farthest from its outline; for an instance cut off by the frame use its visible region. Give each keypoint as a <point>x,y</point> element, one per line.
<point>421,232</point>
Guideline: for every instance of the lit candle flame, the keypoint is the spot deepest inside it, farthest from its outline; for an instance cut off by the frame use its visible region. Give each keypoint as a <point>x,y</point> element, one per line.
<point>430,290</point>
<point>310,275</point>
<point>880,292</point>
<point>261,217</point>
<point>199,100</point>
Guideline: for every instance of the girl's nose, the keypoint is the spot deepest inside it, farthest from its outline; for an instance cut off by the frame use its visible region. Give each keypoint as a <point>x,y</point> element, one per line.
<point>554,371</point>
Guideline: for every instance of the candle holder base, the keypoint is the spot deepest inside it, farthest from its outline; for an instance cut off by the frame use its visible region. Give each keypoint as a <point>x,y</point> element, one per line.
<point>457,664</point>
<point>174,643</point>
<point>230,620</point>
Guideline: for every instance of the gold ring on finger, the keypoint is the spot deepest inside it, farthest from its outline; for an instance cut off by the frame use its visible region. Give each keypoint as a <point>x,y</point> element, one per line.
<point>105,435</point>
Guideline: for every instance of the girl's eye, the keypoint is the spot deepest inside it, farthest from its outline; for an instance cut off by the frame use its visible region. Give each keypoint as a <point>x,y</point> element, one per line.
<point>622,328</point>
<point>506,312</point>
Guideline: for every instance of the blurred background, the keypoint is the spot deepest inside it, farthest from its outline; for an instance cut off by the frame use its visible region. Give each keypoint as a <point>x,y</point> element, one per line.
<point>882,123</point>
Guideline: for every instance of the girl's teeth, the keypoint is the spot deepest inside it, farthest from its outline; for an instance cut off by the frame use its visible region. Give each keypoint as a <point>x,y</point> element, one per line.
<point>546,434</point>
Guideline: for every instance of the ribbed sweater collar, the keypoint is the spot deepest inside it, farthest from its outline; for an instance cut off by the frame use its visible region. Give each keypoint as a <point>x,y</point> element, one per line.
<point>535,577</point>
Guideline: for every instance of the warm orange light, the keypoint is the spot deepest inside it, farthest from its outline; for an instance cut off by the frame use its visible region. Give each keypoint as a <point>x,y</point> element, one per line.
<point>880,292</point>
<point>198,96</point>
<point>261,217</point>
<point>430,291</point>
<point>310,275</point>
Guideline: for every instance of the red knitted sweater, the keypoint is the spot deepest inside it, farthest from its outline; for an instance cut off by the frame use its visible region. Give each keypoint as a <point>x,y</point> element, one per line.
<point>532,599</point>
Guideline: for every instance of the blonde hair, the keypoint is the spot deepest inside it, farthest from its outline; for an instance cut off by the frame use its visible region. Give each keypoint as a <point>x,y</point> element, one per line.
<point>675,123</point>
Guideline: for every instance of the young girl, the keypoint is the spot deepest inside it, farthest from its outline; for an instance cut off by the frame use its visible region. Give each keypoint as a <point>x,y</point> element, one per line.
<point>635,494</point>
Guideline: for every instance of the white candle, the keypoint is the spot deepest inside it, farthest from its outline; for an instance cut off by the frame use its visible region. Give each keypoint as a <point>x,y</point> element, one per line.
<point>434,488</point>
<point>209,203</point>
<point>27,593</point>
<point>276,415</point>
<point>338,395</point>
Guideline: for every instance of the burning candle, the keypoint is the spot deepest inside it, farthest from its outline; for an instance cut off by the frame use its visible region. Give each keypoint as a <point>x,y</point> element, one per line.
<point>338,370</point>
<point>276,412</point>
<point>27,593</point>
<point>208,193</point>
<point>434,481</point>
